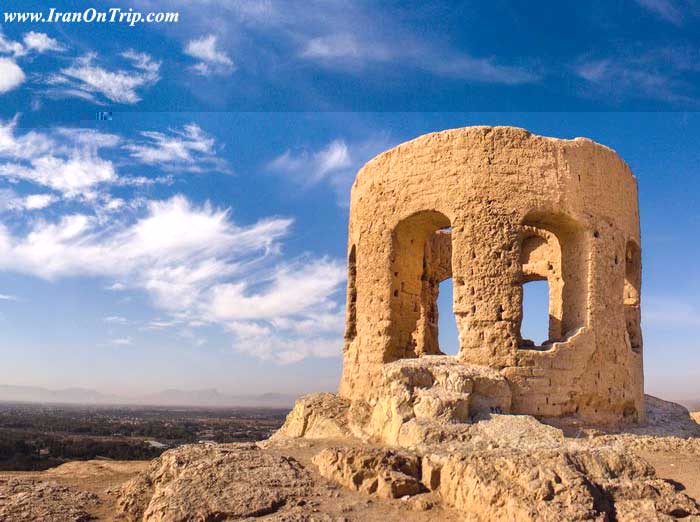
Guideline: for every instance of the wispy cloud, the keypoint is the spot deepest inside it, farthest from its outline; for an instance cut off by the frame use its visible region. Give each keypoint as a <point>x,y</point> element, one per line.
<point>71,162</point>
<point>66,161</point>
<point>309,167</point>
<point>116,319</point>
<point>667,73</point>
<point>41,43</point>
<point>33,42</point>
<point>336,163</point>
<point>7,297</point>
<point>666,9</point>
<point>85,79</point>
<point>160,324</point>
<point>122,341</point>
<point>189,148</point>
<point>344,46</point>
<point>344,36</point>
<point>485,70</point>
<point>347,51</point>
<point>212,60</point>
<point>200,269</point>
<point>8,46</point>
<point>11,74</point>
<point>10,200</point>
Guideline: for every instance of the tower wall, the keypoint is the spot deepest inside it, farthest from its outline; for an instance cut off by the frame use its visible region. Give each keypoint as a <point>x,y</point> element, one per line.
<point>494,208</point>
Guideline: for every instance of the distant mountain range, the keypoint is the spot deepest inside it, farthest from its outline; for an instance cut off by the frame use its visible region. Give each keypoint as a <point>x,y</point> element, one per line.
<point>202,398</point>
<point>692,405</point>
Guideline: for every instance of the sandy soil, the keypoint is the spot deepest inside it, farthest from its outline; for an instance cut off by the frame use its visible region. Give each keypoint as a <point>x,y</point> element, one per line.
<point>94,476</point>
<point>681,469</point>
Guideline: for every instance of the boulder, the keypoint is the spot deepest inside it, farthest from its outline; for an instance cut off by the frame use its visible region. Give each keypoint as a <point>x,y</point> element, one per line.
<point>384,472</point>
<point>213,482</point>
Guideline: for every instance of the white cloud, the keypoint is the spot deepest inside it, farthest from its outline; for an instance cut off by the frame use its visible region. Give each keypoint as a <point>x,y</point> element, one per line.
<point>160,324</point>
<point>11,76</point>
<point>7,297</point>
<point>212,59</point>
<point>67,161</point>
<point>87,80</point>
<point>33,41</point>
<point>467,67</point>
<point>336,163</point>
<point>41,42</point>
<point>115,319</point>
<point>10,47</point>
<point>656,73</point>
<point>9,200</point>
<point>142,61</point>
<point>345,50</point>
<point>167,250</point>
<point>290,291</point>
<point>189,148</point>
<point>666,9</point>
<point>38,201</point>
<point>199,268</point>
<point>344,46</point>
<point>122,341</point>
<point>312,167</point>
<point>71,176</point>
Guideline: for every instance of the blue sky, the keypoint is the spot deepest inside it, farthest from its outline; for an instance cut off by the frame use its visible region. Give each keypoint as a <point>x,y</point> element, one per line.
<point>198,238</point>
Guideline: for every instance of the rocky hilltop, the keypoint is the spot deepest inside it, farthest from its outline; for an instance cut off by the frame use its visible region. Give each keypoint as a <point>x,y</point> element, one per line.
<point>505,430</point>
<point>329,463</point>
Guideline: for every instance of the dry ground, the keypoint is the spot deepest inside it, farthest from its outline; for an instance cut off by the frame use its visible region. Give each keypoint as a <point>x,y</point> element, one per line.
<point>102,477</point>
<point>81,491</point>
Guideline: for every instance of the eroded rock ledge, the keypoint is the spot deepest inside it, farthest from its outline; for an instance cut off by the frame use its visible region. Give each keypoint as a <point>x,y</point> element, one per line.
<point>435,434</point>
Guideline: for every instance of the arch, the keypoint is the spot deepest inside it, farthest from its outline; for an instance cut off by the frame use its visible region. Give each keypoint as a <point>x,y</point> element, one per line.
<point>536,325</point>
<point>421,258</point>
<point>351,314</point>
<point>631,296</point>
<point>553,248</point>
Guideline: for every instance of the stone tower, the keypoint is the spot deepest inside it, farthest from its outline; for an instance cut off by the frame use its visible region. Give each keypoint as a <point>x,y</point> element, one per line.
<point>494,208</point>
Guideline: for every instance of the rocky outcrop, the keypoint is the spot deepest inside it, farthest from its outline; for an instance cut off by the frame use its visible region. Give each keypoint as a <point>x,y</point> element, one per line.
<point>417,401</point>
<point>554,485</point>
<point>214,482</point>
<point>488,465</point>
<point>30,500</point>
<point>384,472</point>
<point>317,415</point>
<point>424,400</point>
<point>501,467</point>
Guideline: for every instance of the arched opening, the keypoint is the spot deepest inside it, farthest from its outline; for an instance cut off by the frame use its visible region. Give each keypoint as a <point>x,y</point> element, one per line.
<point>552,255</point>
<point>351,315</point>
<point>421,261</point>
<point>534,328</point>
<point>631,297</point>
<point>448,336</point>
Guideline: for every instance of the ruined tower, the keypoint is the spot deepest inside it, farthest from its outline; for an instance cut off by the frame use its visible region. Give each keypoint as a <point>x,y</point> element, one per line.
<point>494,208</point>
